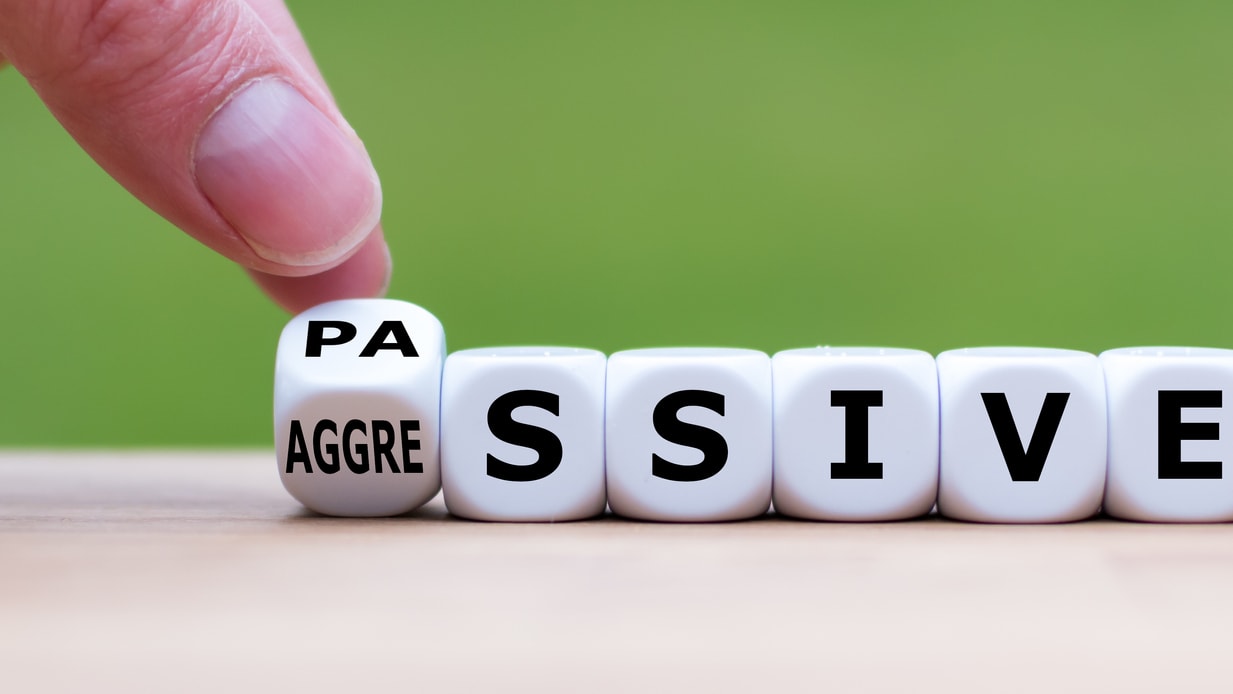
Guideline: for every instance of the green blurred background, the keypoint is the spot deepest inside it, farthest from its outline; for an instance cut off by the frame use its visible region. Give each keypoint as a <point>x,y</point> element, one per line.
<point>615,175</point>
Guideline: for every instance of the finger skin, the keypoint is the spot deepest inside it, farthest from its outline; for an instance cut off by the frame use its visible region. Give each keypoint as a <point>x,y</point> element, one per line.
<point>282,25</point>
<point>138,82</point>
<point>365,274</point>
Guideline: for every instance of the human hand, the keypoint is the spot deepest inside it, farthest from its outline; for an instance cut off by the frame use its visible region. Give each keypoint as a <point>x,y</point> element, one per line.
<point>213,113</point>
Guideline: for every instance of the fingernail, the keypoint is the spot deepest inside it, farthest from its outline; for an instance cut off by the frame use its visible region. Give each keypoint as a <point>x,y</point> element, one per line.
<point>297,189</point>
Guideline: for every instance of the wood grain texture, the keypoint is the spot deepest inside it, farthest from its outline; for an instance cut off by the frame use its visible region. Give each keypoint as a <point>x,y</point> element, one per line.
<point>196,572</point>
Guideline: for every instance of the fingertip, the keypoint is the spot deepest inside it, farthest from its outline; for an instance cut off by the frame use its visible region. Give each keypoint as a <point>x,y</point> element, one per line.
<point>366,274</point>
<point>209,116</point>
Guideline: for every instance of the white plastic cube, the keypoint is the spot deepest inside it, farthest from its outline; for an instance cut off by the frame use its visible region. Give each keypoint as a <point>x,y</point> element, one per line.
<point>357,388</point>
<point>856,433</point>
<point>689,434</point>
<point>1170,436</point>
<point>523,433</point>
<point>1023,435</point>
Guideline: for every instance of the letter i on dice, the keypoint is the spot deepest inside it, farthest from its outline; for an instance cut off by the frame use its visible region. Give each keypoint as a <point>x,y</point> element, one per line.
<point>856,433</point>
<point>357,387</point>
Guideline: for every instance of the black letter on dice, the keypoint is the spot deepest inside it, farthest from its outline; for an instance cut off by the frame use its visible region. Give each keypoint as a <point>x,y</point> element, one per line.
<point>856,465</point>
<point>361,449</point>
<point>402,341</point>
<point>1025,465</point>
<point>317,339</point>
<point>331,449</point>
<point>1172,430</point>
<point>408,427</point>
<point>712,444</point>
<point>383,444</point>
<point>297,449</point>
<point>502,425</point>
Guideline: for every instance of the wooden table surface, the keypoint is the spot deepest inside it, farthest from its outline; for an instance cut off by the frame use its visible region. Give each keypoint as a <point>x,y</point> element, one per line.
<point>176,571</point>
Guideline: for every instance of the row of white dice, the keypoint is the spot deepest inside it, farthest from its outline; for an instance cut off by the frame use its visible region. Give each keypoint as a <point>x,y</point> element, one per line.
<point>364,395</point>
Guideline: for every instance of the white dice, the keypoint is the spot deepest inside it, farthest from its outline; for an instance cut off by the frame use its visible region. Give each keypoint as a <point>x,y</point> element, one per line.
<point>1023,435</point>
<point>689,434</point>
<point>523,433</point>
<point>1170,437</point>
<point>856,433</point>
<point>367,424</point>
<point>357,388</point>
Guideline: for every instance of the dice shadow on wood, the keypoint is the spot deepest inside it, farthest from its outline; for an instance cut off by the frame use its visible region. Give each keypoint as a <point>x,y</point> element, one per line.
<point>427,512</point>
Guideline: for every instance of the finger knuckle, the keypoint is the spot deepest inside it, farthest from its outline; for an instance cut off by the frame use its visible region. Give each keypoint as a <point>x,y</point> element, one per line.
<point>124,46</point>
